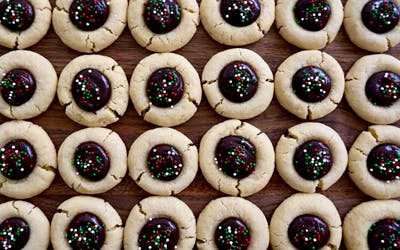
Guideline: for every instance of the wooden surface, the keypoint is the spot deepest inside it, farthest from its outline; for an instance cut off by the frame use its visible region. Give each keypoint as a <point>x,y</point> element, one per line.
<point>274,121</point>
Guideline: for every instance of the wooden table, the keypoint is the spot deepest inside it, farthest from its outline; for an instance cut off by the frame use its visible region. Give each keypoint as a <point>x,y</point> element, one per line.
<point>274,121</point>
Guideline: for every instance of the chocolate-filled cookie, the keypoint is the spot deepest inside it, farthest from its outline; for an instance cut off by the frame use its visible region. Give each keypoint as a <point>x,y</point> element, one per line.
<point>163,26</point>
<point>93,89</point>
<point>85,222</point>
<point>28,84</point>
<point>23,23</point>
<point>160,222</point>
<point>233,152</point>
<point>374,161</point>
<point>373,25</point>
<point>92,160</point>
<point>165,89</point>
<point>309,84</point>
<point>372,225</point>
<point>306,221</point>
<point>232,223</point>
<point>236,22</point>
<point>373,88</point>
<point>311,156</point>
<point>238,83</point>
<point>28,159</point>
<point>309,24</point>
<point>163,161</point>
<point>23,226</point>
<point>89,26</point>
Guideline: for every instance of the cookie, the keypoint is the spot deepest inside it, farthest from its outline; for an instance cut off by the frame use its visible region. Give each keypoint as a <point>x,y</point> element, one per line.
<point>163,161</point>
<point>92,160</point>
<point>28,159</point>
<point>85,222</point>
<point>373,25</point>
<point>309,84</point>
<point>374,161</point>
<point>165,89</point>
<point>159,222</point>
<point>163,26</point>
<point>309,24</point>
<point>311,156</point>
<point>236,158</point>
<point>372,225</point>
<point>23,23</point>
<point>23,226</point>
<point>28,84</point>
<point>89,26</point>
<point>236,22</point>
<point>232,223</point>
<point>306,221</point>
<point>93,89</point>
<point>238,83</point>
<point>373,88</point>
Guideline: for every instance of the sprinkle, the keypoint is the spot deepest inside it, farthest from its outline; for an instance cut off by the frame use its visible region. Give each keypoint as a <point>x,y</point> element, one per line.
<point>91,90</point>
<point>312,15</point>
<point>383,88</point>
<point>383,162</point>
<point>89,15</point>
<point>165,87</point>
<point>308,232</point>
<point>159,234</point>
<point>14,233</point>
<point>311,84</point>
<point>380,16</point>
<point>238,81</point>
<point>17,86</point>
<point>161,16</point>
<point>384,234</point>
<point>240,12</point>
<point>164,162</point>
<point>91,161</point>
<point>233,234</point>
<point>17,159</point>
<point>16,15</point>
<point>312,160</point>
<point>235,156</point>
<point>86,231</point>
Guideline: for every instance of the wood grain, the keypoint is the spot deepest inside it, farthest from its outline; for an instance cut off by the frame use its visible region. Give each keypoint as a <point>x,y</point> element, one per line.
<point>274,121</point>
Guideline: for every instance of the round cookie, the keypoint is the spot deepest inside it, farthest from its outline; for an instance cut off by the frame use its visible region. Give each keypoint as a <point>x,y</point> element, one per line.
<point>372,225</point>
<point>236,22</point>
<point>373,25</point>
<point>236,158</point>
<point>85,222</point>
<point>309,156</point>
<point>309,84</point>
<point>163,26</point>
<point>23,226</point>
<point>93,90</point>
<point>92,160</point>
<point>306,221</point>
<point>28,84</point>
<point>309,24</point>
<point>238,83</point>
<point>231,223</point>
<point>374,162</point>
<point>28,159</point>
<point>23,23</point>
<point>163,161</point>
<point>89,26</point>
<point>165,89</point>
<point>373,88</point>
<point>166,223</point>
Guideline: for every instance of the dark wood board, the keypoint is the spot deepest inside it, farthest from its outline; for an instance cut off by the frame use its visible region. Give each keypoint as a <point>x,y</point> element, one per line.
<point>274,121</point>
